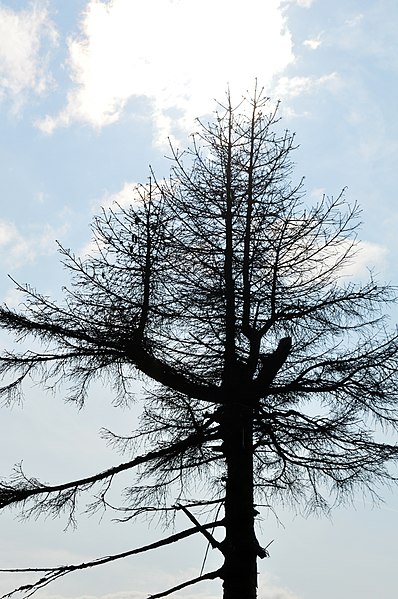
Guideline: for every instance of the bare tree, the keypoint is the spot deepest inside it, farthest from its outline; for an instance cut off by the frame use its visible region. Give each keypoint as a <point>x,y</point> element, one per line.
<point>268,371</point>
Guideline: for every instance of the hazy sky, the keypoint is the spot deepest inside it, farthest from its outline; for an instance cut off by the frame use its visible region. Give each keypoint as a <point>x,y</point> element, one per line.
<point>89,93</point>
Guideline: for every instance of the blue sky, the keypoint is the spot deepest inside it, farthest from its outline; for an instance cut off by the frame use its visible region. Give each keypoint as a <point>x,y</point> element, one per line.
<point>89,93</point>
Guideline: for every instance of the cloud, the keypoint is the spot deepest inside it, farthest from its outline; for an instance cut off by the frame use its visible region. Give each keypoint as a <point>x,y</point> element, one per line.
<point>13,299</point>
<point>355,20</point>
<point>369,35</point>
<point>366,257</point>
<point>288,87</point>
<point>369,256</point>
<point>313,43</point>
<point>120,595</point>
<point>18,248</point>
<point>266,591</point>
<point>270,588</point>
<point>171,53</point>
<point>277,593</point>
<point>23,62</point>
<point>300,3</point>
<point>125,197</point>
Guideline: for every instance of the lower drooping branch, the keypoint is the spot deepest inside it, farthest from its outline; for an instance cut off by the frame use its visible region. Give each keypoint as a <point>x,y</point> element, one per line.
<point>53,573</point>
<point>209,576</point>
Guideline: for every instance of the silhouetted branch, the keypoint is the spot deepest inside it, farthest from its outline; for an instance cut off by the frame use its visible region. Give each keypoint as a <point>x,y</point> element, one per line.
<point>213,542</point>
<point>208,576</point>
<point>25,488</point>
<point>53,573</point>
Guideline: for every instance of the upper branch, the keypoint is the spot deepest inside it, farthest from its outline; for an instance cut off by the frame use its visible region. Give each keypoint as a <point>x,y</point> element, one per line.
<point>95,346</point>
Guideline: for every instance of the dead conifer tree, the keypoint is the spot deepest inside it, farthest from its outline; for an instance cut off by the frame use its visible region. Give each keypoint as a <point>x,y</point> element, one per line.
<point>267,370</point>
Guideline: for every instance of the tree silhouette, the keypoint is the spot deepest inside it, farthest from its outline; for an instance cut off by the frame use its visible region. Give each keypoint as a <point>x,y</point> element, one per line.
<point>269,374</point>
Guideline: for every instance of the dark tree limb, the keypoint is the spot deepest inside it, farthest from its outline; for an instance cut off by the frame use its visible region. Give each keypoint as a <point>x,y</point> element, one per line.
<point>133,351</point>
<point>209,576</point>
<point>53,573</point>
<point>272,363</point>
<point>26,488</point>
<point>213,542</point>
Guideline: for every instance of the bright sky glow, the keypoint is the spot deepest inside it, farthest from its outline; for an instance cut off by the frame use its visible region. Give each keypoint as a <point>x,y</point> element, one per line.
<point>121,52</point>
<point>90,90</point>
<point>22,59</point>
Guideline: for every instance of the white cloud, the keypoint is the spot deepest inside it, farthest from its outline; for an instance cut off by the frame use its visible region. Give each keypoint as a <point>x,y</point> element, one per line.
<point>355,20</point>
<point>318,193</point>
<point>41,197</point>
<point>23,64</point>
<point>305,3</point>
<point>288,87</point>
<point>124,197</point>
<point>18,248</point>
<point>265,592</point>
<point>277,593</point>
<point>270,589</point>
<point>12,298</point>
<point>120,595</point>
<point>369,256</point>
<point>366,257</point>
<point>313,43</point>
<point>172,52</point>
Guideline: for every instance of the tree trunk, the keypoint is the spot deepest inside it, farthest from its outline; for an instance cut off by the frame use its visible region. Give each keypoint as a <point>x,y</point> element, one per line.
<point>240,544</point>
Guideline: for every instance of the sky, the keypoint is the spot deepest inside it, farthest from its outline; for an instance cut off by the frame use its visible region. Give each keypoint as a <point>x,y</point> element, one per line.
<point>90,92</point>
